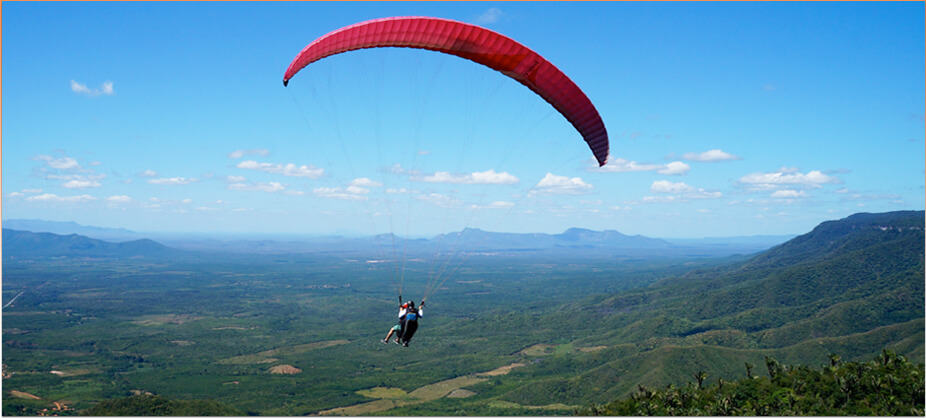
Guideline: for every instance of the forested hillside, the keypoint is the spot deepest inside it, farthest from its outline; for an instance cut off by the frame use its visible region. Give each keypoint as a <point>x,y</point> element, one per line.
<point>850,287</point>
<point>889,385</point>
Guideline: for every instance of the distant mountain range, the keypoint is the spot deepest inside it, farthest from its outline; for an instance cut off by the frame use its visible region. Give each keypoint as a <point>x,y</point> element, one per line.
<point>573,241</point>
<point>70,228</point>
<point>22,244</point>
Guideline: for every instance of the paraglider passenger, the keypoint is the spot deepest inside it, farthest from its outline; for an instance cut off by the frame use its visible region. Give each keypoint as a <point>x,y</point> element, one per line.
<point>397,328</point>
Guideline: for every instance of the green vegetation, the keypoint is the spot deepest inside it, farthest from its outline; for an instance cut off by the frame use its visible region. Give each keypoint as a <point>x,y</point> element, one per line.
<point>299,334</point>
<point>887,386</point>
<point>153,405</point>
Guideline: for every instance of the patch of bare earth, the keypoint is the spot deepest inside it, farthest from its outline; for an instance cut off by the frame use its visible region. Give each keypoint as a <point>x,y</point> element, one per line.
<point>504,370</point>
<point>461,393</point>
<point>270,356</point>
<point>20,394</point>
<point>451,388</point>
<point>285,370</point>
<point>70,372</point>
<point>537,350</point>
<point>178,319</point>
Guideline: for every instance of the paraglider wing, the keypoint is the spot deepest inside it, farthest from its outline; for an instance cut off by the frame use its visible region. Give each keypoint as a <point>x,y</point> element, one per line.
<point>474,43</point>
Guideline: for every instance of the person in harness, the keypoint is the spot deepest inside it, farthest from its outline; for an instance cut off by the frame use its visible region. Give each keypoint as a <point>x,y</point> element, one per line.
<point>397,328</point>
<point>409,322</point>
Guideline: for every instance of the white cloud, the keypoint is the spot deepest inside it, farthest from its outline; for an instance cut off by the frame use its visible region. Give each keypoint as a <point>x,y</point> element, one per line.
<point>67,177</point>
<point>118,199</point>
<point>678,191</point>
<point>257,186</point>
<point>715,155</point>
<point>703,194</point>
<point>289,169</point>
<point>401,191</point>
<point>667,187</point>
<point>235,179</point>
<point>68,169</point>
<point>237,154</point>
<point>366,182</point>
<point>63,163</point>
<point>55,198</point>
<point>172,181</point>
<point>105,89</point>
<point>659,199</point>
<point>396,169</point>
<point>789,194</point>
<point>484,178</point>
<point>624,165</point>
<point>350,193</point>
<point>491,15</point>
<point>148,174</point>
<point>81,183</point>
<point>494,205</point>
<point>79,88</point>
<point>675,168</point>
<point>555,185</point>
<point>787,176</point>
<point>621,165</point>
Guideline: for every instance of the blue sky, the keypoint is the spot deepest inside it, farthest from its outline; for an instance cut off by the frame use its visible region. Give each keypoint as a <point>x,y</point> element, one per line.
<point>725,119</point>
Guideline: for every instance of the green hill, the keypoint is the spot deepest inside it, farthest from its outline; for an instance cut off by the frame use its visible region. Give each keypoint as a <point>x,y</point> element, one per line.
<point>852,287</point>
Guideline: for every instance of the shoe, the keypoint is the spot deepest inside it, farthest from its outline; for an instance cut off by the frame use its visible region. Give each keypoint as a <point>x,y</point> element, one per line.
<point>397,342</point>
<point>384,341</point>
<point>404,344</point>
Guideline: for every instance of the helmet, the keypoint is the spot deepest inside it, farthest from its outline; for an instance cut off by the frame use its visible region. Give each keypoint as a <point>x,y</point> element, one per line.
<point>410,304</point>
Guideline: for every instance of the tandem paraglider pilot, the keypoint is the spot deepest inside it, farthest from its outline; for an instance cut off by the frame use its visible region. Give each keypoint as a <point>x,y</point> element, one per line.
<point>408,324</point>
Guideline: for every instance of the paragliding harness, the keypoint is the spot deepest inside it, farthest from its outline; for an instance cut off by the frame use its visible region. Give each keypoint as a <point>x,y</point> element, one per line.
<point>408,323</point>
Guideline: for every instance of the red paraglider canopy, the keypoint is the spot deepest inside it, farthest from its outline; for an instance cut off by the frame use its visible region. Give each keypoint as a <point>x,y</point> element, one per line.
<point>474,43</point>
